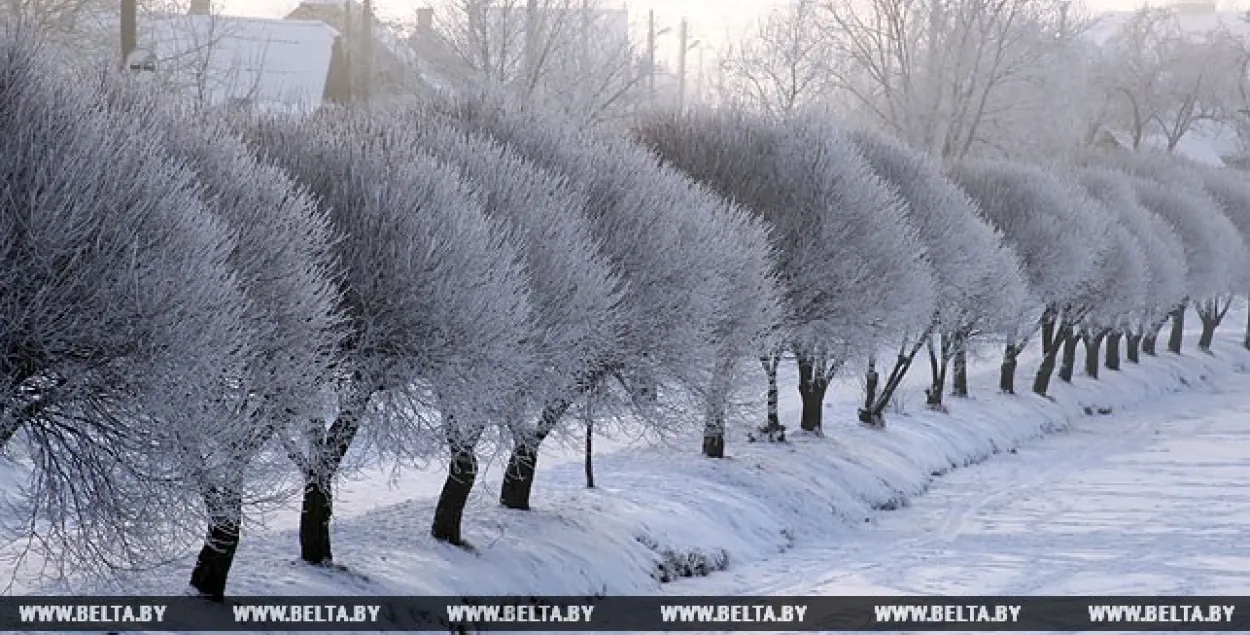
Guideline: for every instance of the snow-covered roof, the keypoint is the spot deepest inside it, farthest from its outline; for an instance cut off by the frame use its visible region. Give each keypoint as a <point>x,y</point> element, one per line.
<point>273,65</point>
<point>1209,144</point>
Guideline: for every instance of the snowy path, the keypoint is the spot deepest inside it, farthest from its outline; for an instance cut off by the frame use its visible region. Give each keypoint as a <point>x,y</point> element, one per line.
<point>1152,502</point>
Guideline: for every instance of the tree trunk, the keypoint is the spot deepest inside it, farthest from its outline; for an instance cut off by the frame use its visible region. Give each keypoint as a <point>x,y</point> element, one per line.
<point>588,463</point>
<point>1113,349</point>
<point>1246,341</point>
<point>812,387</point>
<point>449,512</point>
<point>867,413</point>
<point>518,478</point>
<point>314,525</point>
<point>1133,348</point>
<point>1178,330</point>
<point>1208,334</point>
<point>937,372</point>
<point>1050,352</point>
<point>212,567</point>
<point>959,383</point>
<point>327,455</point>
<point>1007,371</point>
<point>1093,350</point>
<point>1211,315</point>
<point>1068,342</point>
<point>773,423</point>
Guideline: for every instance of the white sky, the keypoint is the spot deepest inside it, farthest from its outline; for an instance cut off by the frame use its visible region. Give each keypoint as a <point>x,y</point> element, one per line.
<point>710,21</point>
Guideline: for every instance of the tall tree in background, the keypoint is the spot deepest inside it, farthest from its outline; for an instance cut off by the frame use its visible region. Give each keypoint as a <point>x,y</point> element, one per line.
<point>782,66</point>
<point>939,73</point>
<point>574,55</point>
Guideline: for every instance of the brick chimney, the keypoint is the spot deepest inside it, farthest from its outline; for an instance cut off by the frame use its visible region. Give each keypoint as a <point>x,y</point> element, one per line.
<point>201,7</point>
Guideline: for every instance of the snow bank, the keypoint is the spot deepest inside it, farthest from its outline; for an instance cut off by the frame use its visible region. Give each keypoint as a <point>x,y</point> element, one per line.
<point>665,511</point>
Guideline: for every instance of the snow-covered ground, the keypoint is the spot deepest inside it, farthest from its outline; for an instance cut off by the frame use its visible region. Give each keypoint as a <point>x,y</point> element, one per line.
<point>1146,499</point>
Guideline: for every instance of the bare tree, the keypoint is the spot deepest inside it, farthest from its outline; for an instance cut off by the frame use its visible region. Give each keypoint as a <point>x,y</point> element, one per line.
<point>282,258</point>
<point>574,55</point>
<point>1214,250</point>
<point>1156,80</point>
<point>782,66</point>
<point>936,73</point>
<point>666,239</point>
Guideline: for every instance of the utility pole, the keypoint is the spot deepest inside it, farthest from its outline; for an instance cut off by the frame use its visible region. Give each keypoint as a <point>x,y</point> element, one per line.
<point>651,54</point>
<point>531,45</point>
<point>349,59</point>
<point>681,66</point>
<point>366,51</point>
<point>584,56</point>
<point>129,30</point>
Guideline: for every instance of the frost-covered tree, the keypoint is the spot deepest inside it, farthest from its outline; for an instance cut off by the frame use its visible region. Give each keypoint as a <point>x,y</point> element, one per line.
<point>123,331</point>
<point>1163,270</point>
<point>852,269</point>
<point>574,289</point>
<point>1118,287</point>
<point>1050,225</point>
<point>980,285</point>
<point>1215,253</point>
<point>1232,192</point>
<point>282,259</point>
<point>666,238</point>
<point>437,305</point>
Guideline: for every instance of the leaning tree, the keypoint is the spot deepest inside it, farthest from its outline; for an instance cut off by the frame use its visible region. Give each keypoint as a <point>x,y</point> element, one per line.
<point>439,327</point>
<point>1162,270</point>
<point>122,324</point>
<point>980,285</point>
<point>686,324</point>
<point>853,270</point>
<point>1215,253</point>
<point>1231,191</point>
<point>1056,231</point>
<point>1116,290</point>
<point>574,289</point>
<point>282,258</point>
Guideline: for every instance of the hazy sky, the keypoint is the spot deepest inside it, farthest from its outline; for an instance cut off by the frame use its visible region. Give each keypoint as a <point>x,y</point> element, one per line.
<point>710,20</point>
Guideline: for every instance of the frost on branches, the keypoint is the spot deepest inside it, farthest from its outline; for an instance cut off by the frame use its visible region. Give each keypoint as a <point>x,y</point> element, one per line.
<point>573,287</point>
<point>438,311</point>
<point>1161,270</point>
<point>1056,231</point>
<point>852,269</point>
<point>1215,253</point>
<point>282,260</point>
<point>1231,192</point>
<point>123,325</point>
<point>682,319</point>
<point>979,283</point>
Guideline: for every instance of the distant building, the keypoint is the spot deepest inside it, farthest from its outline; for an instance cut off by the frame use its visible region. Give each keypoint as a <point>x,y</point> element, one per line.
<point>366,43</point>
<point>257,63</point>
